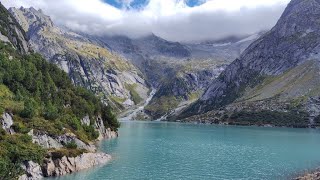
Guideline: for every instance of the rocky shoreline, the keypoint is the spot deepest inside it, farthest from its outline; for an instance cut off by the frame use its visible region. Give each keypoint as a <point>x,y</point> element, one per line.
<point>63,166</point>
<point>86,155</point>
<point>54,167</point>
<point>309,176</point>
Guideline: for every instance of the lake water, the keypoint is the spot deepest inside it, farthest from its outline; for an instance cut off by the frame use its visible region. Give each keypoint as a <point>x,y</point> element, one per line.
<point>154,151</point>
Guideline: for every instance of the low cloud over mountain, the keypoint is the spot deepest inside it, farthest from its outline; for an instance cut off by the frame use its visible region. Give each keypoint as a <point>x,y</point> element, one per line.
<point>173,20</point>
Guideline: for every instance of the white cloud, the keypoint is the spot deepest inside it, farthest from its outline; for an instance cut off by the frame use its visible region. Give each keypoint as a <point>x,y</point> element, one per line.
<point>170,19</point>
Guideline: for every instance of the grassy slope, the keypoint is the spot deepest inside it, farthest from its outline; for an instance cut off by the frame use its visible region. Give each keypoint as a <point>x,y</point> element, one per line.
<point>299,82</point>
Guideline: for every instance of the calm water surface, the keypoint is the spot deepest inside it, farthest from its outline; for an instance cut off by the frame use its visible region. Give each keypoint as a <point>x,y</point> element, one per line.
<point>186,151</point>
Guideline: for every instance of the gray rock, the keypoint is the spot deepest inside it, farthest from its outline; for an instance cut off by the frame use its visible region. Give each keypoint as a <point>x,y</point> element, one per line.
<point>70,137</point>
<point>33,171</point>
<point>63,166</point>
<point>85,120</point>
<point>67,165</point>
<point>49,142</point>
<point>7,121</point>
<point>44,140</point>
<point>103,132</point>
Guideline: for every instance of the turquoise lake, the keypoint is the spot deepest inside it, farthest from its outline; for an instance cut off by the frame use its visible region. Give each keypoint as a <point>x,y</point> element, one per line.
<point>147,150</point>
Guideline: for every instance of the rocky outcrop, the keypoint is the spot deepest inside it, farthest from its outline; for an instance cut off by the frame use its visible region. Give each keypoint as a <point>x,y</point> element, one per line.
<point>88,64</point>
<point>11,32</point>
<point>32,170</point>
<point>49,142</point>
<point>67,165</point>
<point>45,140</point>
<point>7,121</point>
<point>293,41</point>
<point>104,133</point>
<point>85,120</point>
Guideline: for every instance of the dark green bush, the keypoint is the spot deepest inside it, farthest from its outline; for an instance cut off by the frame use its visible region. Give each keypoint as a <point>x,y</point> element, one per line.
<point>19,127</point>
<point>51,112</point>
<point>290,119</point>
<point>29,110</point>
<point>71,145</point>
<point>92,133</point>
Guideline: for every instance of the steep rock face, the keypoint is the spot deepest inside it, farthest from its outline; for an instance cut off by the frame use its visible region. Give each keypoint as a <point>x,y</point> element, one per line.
<point>180,72</point>
<point>87,63</point>
<point>154,55</point>
<point>12,33</point>
<point>103,132</point>
<point>294,40</point>
<point>181,90</point>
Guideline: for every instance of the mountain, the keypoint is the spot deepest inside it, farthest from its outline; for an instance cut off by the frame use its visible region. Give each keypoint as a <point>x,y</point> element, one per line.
<point>180,72</point>
<point>12,33</point>
<point>277,72</point>
<point>88,64</point>
<point>46,121</point>
<point>120,70</point>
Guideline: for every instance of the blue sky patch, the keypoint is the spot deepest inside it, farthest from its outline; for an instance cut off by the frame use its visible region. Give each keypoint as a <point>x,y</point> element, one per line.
<point>137,4</point>
<point>193,3</point>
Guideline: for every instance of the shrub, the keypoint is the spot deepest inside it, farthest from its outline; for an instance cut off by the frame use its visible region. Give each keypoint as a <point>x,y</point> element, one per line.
<point>58,154</point>
<point>51,112</point>
<point>74,123</point>
<point>19,127</point>
<point>91,132</point>
<point>71,145</point>
<point>29,110</point>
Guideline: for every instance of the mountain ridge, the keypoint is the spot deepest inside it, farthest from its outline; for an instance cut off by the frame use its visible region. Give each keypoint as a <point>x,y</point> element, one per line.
<point>293,41</point>
<point>88,64</point>
<point>180,72</point>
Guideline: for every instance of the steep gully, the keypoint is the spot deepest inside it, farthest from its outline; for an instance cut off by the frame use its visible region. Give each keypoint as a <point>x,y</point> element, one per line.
<point>131,114</point>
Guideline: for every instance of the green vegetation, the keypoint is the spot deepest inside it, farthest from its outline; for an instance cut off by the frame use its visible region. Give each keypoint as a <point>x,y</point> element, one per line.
<point>288,119</point>
<point>193,96</point>
<point>116,102</point>
<point>14,150</point>
<point>58,154</point>
<point>160,106</point>
<point>41,97</point>
<point>71,145</point>
<point>135,96</point>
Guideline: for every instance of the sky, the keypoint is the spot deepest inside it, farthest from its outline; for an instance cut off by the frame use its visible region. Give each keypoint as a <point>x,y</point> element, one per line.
<point>173,20</point>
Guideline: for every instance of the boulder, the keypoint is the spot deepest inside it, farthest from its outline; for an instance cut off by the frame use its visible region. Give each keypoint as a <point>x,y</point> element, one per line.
<point>7,121</point>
